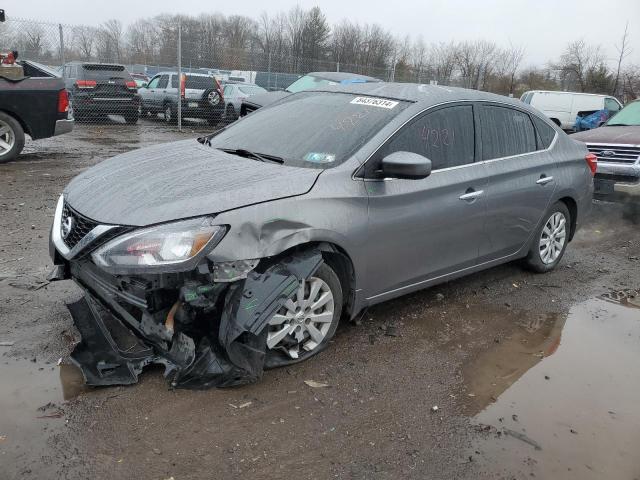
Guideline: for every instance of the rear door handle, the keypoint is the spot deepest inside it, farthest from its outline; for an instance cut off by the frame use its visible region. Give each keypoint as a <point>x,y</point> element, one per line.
<point>544,180</point>
<point>471,195</point>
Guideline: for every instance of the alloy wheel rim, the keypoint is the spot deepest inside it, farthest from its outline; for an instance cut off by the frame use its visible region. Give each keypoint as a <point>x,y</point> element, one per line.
<point>7,138</point>
<point>304,321</point>
<point>167,114</point>
<point>553,238</point>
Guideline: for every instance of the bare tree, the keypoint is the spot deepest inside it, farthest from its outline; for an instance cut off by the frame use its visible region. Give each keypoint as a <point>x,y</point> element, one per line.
<point>623,52</point>
<point>84,39</point>
<point>444,57</point>
<point>577,60</point>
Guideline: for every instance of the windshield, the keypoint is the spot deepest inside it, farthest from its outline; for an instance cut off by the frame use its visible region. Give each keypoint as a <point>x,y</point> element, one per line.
<point>629,115</point>
<point>308,82</point>
<point>311,129</point>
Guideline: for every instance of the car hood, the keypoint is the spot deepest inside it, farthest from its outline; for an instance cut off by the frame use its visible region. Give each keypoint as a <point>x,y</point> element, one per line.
<point>178,180</point>
<point>264,99</point>
<point>621,135</point>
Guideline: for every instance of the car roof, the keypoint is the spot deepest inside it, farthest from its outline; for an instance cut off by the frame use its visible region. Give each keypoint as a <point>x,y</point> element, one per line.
<point>567,93</point>
<point>425,95</point>
<point>340,76</point>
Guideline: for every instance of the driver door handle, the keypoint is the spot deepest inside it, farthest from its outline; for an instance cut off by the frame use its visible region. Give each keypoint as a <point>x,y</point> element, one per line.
<point>471,195</point>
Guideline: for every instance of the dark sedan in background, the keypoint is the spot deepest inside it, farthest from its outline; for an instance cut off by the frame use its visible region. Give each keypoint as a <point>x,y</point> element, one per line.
<point>309,81</point>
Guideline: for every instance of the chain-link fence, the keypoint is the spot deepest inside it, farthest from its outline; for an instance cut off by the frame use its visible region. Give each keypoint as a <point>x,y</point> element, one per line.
<point>172,75</point>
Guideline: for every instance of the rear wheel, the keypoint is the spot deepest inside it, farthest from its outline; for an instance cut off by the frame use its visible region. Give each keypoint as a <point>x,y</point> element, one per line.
<point>551,239</point>
<point>306,323</point>
<point>131,118</point>
<point>11,138</point>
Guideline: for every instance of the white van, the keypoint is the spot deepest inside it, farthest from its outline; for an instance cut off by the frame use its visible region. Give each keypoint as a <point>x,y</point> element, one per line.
<point>563,107</point>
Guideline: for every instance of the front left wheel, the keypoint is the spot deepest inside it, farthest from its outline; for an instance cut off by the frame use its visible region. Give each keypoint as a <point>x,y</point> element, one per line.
<point>306,323</point>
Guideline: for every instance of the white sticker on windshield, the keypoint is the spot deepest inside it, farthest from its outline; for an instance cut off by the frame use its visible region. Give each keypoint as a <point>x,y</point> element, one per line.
<point>374,102</point>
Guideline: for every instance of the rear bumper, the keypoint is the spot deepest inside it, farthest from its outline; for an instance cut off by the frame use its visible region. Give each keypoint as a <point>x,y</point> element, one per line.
<point>63,126</point>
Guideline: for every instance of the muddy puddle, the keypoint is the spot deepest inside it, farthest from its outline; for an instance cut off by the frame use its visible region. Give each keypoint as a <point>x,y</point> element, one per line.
<point>32,402</point>
<point>560,398</point>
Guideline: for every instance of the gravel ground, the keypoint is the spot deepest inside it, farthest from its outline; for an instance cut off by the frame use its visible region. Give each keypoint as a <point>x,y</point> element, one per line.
<point>384,373</point>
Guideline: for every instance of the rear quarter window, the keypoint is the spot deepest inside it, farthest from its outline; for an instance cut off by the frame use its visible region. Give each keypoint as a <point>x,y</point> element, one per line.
<point>545,132</point>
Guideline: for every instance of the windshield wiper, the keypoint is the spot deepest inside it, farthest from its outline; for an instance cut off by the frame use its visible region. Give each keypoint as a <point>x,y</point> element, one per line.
<point>263,157</point>
<point>620,125</point>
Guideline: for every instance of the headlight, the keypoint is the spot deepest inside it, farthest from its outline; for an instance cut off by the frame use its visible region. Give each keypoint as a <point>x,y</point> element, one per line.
<point>164,245</point>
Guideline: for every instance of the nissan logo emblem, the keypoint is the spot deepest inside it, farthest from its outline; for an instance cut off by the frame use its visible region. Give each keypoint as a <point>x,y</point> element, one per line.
<point>66,227</point>
<point>608,153</point>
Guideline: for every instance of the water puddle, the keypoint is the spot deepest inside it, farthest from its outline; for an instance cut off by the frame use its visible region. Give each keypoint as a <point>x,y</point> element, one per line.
<point>32,410</point>
<point>562,401</point>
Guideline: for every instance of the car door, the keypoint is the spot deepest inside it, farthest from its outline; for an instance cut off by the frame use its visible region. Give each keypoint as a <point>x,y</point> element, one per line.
<point>422,230</point>
<point>147,94</point>
<point>160,94</point>
<point>521,172</point>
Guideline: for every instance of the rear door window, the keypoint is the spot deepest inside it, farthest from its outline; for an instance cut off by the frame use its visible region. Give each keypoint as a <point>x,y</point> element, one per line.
<point>445,136</point>
<point>174,81</point>
<point>164,81</point>
<point>505,132</point>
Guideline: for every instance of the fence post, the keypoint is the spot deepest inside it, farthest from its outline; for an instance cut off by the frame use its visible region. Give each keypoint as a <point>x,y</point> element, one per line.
<point>269,73</point>
<point>61,48</point>
<point>179,75</point>
<point>337,66</point>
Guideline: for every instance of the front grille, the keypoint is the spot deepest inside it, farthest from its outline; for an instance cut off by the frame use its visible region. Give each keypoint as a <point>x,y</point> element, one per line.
<point>80,226</point>
<point>623,154</point>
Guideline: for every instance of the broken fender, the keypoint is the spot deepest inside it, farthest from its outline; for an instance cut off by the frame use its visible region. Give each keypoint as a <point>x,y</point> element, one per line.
<point>210,346</point>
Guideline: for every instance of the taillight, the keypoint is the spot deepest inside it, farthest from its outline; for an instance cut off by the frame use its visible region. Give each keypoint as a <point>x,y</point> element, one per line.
<point>86,83</point>
<point>219,87</point>
<point>183,85</point>
<point>63,101</point>
<point>131,85</point>
<point>592,161</point>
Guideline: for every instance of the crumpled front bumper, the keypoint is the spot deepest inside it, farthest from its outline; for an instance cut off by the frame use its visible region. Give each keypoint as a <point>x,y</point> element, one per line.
<point>205,334</point>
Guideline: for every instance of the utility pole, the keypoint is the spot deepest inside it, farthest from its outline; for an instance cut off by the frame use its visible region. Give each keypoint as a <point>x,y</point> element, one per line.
<point>61,48</point>
<point>179,74</point>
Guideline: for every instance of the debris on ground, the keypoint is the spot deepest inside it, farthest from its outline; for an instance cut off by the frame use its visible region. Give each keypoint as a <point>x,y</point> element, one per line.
<point>6,344</point>
<point>314,384</point>
<point>522,437</point>
<point>434,408</point>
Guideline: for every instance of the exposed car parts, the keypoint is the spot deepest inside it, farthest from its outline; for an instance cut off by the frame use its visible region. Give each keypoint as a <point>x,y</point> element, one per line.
<point>212,334</point>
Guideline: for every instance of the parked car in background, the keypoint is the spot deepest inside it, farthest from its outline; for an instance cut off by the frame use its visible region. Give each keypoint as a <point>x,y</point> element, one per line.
<point>141,79</point>
<point>235,94</point>
<point>308,82</point>
<point>617,146</point>
<point>34,103</point>
<point>563,108</point>
<point>100,89</point>
<point>201,96</point>
<point>241,250</point>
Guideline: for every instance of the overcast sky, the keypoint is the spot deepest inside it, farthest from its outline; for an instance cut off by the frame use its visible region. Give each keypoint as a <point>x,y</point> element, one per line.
<point>542,26</point>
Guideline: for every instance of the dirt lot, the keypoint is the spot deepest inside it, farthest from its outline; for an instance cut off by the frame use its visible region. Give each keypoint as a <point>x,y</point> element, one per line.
<point>503,374</point>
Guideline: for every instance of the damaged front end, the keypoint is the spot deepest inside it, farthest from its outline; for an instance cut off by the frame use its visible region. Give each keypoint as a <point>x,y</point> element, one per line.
<point>206,324</point>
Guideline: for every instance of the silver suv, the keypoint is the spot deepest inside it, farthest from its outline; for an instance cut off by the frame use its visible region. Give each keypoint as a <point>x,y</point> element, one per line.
<point>201,96</point>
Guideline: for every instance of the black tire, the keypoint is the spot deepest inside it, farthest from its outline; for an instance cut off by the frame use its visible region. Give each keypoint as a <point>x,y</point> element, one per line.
<point>131,118</point>
<point>230,114</point>
<point>14,133</point>
<point>276,358</point>
<point>172,114</point>
<point>534,259</point>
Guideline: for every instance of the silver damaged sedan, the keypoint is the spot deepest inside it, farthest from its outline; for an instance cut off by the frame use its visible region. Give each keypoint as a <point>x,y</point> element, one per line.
<point>221,256</point>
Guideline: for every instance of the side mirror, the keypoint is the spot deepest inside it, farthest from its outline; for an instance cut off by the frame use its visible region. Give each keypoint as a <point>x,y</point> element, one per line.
<point>406,165</point>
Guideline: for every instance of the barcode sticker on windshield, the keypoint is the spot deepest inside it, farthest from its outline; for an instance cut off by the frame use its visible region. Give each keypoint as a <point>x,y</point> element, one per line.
<point>374,102</point>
